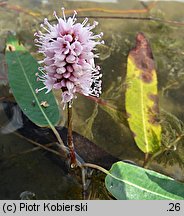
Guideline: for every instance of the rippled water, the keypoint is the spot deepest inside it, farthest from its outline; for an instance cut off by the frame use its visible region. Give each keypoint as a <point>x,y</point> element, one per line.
<point>34,171</point>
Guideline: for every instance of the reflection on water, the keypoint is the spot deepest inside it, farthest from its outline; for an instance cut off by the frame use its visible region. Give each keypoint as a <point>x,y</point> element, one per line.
<point>13,124</point>
<point>105,126</point>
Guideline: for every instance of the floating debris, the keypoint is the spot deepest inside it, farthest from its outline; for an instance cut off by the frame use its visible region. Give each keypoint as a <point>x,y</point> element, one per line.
<point>44,104</point>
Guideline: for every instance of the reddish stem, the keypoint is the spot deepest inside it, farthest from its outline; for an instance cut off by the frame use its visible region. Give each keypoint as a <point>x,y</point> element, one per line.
<point>100,101</point>
<point>70,138</point>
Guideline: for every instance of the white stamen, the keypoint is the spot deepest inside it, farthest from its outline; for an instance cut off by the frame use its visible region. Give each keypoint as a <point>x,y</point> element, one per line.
<point>63,11</point>
<point>38,90</point>
<point>75,13</point>
<point>41,69</point>
<point>38,45</point>
<point>40,62</point>
<point>47,23</point>
<point>85,21</point>
<point>42,26</point>
<point>54,13</point>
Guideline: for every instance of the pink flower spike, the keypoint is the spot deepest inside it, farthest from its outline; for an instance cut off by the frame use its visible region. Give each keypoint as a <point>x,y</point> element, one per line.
<point>68,57</point>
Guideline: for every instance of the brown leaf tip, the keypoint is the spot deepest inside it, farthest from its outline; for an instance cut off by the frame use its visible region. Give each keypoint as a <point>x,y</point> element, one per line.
<point>143,43</point>
<point>143,58</point>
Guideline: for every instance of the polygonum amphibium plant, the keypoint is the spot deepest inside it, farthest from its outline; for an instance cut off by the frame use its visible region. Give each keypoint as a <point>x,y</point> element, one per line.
<point>68,62</point>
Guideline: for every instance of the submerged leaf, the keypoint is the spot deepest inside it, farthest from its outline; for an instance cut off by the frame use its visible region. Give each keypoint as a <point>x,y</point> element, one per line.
<point>141,97</point>
<point>21,74</point>
<point>129,182</point>
<point>172,140</point>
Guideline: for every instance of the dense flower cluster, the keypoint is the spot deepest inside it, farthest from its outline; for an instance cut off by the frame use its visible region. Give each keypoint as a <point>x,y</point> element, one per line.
<point>68,62</point>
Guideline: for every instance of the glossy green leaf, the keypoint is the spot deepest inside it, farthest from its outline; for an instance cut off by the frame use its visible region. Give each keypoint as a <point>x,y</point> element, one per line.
<point>141,97</point>
<point>129,182</point>
<point>22,68</point>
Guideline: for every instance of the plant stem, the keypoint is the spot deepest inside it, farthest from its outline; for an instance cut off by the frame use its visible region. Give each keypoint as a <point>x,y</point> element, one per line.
<point>62,146</point>
<point>146,159</point>
<point>30,151</point>
<point>172,22</point>
<point>94,166</point>
<point>70,138</point>
<point>153,157</point>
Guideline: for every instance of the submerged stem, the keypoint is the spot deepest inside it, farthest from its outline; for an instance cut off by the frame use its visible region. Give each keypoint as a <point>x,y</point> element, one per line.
<point>70,138</point>
<point>146,159</point>
<point>94,166</point>
<point>61,144</point>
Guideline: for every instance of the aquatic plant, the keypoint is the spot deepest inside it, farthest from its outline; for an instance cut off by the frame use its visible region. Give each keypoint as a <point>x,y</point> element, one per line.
<point>69,62</point>
<point>68,65</point>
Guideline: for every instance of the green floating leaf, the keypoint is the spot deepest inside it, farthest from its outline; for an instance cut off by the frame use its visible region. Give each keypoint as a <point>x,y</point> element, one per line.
<point>40,108</point>
<point>129,182</point>
<point>141,97</point>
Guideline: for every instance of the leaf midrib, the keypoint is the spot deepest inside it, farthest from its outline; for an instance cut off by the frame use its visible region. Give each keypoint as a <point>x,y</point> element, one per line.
<point>30,86</point>
<point>143,116</point>
<point>139,187</point>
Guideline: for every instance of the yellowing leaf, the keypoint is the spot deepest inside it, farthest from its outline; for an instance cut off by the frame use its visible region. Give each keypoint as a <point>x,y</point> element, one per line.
<point>141,97</point>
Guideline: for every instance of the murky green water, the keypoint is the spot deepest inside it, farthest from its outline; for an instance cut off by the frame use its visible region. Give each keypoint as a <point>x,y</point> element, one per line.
<point>105,127</point>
